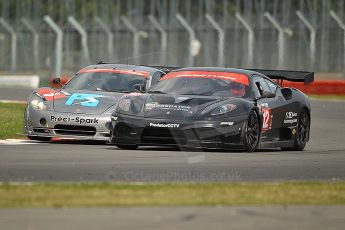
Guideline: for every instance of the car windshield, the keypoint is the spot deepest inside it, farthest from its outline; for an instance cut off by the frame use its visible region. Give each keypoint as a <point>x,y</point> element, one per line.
<point>204,83</point>
<point>107,80</point>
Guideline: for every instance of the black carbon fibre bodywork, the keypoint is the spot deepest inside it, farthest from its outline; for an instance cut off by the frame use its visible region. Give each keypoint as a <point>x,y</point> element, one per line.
<point>188,120</point>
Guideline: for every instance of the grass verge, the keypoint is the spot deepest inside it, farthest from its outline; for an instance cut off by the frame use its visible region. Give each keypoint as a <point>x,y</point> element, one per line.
<point>12,119</point>
<point>107,194</point>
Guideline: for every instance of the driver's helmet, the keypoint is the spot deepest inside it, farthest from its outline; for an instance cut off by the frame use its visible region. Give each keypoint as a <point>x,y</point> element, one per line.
<point>237,89</point>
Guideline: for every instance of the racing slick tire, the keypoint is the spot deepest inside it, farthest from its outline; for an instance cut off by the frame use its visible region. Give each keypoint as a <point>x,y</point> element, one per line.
<point>127,147</point>
<point>37,138</point>
<point>251,137</point>
<point>303,129</point>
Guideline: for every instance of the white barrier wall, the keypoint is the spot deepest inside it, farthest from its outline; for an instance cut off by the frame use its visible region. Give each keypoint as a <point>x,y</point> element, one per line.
<point>25,81</point>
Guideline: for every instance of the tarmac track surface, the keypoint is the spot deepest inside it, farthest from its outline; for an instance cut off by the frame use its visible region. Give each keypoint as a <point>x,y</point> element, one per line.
<point>251,217</point>
<point>323,159</point>
<point>14,94</point>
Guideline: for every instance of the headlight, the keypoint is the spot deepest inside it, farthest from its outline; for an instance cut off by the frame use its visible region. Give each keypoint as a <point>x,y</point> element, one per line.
<point>124,104</point>
<point>223,109</point>
<point>38,104</point>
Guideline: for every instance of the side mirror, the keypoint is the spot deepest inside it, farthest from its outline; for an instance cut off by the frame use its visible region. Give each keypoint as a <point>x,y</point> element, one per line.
<point>57,81</point>
<point>287,93</point>
<point>140,88</point>
<point>266,94</point>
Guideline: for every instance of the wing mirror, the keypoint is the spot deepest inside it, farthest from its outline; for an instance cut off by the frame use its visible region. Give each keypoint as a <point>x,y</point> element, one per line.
<point>57,81</point>
<point>266,94</point>
<point>287,93</point>
<point>139,87</point>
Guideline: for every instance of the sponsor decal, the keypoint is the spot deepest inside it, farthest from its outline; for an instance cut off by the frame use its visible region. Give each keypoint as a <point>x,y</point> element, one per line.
<point>226,123</point>
<point>290,115</point>
<point>266,119</point>
<point>293,131</point>
<point>150,106</point>
<point>86,99</point>
<point>290,118</point>
<point>228,76</point>
<point>290,121</point>
<point>161,125</point>
<point>78,120</point>
<point>119,71</point>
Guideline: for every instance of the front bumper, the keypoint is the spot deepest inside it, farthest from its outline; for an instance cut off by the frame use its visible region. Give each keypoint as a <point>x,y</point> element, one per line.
<point>66,125</point>
<point>215,134</point>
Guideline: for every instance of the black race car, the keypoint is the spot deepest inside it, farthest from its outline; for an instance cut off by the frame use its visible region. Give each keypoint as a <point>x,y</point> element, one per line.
<point>216,108</point>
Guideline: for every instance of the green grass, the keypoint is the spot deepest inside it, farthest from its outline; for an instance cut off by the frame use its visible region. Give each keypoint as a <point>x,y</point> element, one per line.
<point>211,194</point>
<point>12,118</point>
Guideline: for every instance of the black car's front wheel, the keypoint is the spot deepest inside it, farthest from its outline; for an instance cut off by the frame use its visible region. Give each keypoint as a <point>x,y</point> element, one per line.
<point>251,135</point>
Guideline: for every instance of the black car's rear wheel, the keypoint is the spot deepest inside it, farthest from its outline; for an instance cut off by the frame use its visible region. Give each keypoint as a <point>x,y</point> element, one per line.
<point>251,135</point>
<point>303,129</point>
<point>37,138</point>
<point>127,147</point>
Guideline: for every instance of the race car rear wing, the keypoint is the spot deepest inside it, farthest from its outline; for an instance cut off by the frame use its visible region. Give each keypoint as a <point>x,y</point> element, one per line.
<point>295,76</point>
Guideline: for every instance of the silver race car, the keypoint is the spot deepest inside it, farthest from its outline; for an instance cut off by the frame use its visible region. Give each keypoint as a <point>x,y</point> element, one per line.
<point>81,108</point>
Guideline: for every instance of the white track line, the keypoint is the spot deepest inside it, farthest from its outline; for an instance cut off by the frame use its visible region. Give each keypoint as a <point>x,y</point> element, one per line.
<point>18,142</point>
<point>13,101</point>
